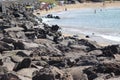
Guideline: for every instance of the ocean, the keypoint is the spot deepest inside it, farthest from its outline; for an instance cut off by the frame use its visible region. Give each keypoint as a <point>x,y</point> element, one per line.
<point>103,22</point>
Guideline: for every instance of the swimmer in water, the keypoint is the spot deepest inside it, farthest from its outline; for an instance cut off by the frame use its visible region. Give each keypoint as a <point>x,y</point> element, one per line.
<point>95,11</point>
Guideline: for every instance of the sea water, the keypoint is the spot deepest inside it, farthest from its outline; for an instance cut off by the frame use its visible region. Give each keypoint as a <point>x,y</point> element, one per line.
<point>104,22</point>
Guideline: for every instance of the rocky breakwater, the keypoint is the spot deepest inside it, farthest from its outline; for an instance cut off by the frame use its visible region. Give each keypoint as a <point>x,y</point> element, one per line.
<point>36,51</point>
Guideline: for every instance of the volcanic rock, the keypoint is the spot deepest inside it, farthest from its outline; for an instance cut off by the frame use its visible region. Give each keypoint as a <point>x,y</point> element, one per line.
<point>24,64</point>
<point>51,73</point>
<point>5,46</point>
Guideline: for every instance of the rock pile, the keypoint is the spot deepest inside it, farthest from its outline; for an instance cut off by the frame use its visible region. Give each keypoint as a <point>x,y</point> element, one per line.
<point>51,16</point>
<point>36,51</point>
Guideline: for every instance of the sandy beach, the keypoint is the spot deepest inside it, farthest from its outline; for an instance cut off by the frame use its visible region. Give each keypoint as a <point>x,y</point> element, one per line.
<point>97,39</point>
<point>78,6</point>
<point>100,41</point>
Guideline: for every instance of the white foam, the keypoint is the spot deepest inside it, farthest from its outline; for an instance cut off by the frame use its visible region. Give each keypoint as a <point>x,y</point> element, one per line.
<point>47,19</point>
<point>80,31</point>
<point>112,38</point>
<point>76,31</point>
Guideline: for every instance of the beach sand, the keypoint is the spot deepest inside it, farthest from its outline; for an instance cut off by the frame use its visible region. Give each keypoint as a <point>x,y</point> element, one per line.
<point>78,6</point>
<point>100,41</point>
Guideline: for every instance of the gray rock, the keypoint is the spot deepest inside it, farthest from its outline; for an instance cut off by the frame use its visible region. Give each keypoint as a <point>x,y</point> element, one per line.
<point>103,68</point>
<point>87,60</point>
<point>109,51</point>
<point>3,70</point>
<point>1,35</point>
<point>16,58</point>
<point>77,73</point>
<point>26,73</point>
<point>25,45</point>
<point>96,52</point>
<point>13,29</point>
<point>51,73</point>
<point>40,63</point>
<point>5,46</point>
<point>28,25</point>
<point>8,40</point>
<point>9,76</point>
<point>79,47</point>
<point>90,44</point>
<point>16,55</point>
<point>7,62</point>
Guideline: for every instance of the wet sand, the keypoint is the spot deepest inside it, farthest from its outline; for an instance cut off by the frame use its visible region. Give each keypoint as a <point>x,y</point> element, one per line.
<point>99,40</point>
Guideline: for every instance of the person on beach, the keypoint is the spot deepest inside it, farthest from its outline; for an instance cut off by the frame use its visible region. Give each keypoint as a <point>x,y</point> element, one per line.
<point>65,9</point>
<point>103,3</point>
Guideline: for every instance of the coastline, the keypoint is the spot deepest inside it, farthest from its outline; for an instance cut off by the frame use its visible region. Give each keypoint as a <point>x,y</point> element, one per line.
<point>31,49</point>
<point>78,6</point>
<point>99,40</point>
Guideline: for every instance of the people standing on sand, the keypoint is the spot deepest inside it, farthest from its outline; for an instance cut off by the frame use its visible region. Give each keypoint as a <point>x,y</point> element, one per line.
<point>46,9</point>
<point>104,4</point>
<point>65,9</point>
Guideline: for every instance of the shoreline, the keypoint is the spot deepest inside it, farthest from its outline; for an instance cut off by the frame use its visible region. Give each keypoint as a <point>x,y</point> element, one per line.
<point>33,50</point>
<point>98,39</point>
<point>78,6</point>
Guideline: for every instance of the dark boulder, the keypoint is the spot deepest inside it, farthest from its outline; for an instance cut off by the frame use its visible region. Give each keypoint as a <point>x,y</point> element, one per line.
<point>18,45</point>
<point>91,45</point>
<point>5,46</point>
<point>30,34</point>
<point>56,17</point>
<point>103,68</point>
<point>8,40</point>
<point>90,73</point>
<point>55,28</point>
<point>49,16</point>
<point>51,73</point>
<point>22,54</point>
<point>9,76</point>
<point>63,48</point>
<point>87,36</point>
<point>16,14</point>
<point>109,51</point>
<point>57,61</point>
<point>40,33</point>
<point>86,60</point>
<point>23,45</point>
<point>24,64</point>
